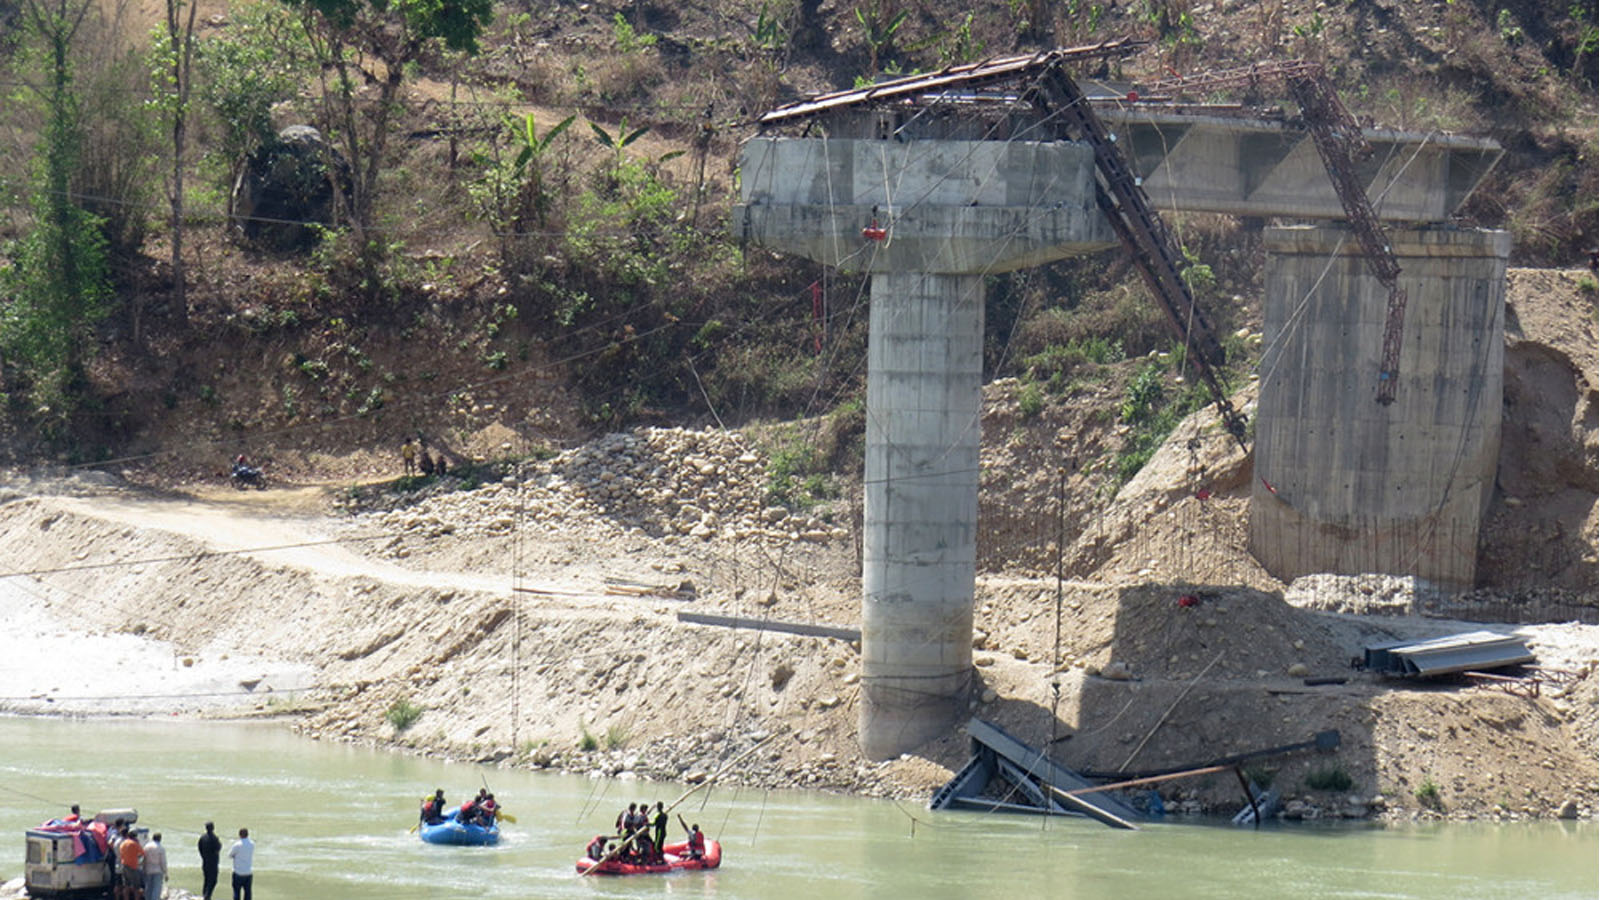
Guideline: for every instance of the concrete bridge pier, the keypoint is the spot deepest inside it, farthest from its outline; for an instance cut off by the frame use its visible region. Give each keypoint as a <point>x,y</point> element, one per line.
<point>920,508</point>
<point>1347,485</point>
<point>929,219</point>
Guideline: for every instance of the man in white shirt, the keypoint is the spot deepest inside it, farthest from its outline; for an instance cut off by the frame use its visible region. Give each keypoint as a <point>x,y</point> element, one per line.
<point>242,853</point>
<point>155,867</point>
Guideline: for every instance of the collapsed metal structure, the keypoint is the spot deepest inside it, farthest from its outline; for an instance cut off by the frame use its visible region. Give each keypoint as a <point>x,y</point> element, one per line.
<point>1036,94</point>
<point>1341,144</point>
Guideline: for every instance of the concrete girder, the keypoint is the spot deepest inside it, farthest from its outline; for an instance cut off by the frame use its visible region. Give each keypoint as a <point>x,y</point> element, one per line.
<point>1259,167</point>
<point>946,206</point>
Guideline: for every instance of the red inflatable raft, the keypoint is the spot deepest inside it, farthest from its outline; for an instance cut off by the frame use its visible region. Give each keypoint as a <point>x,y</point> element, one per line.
<point>676,858</point>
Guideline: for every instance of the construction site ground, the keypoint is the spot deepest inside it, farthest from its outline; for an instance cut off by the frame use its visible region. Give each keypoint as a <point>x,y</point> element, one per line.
<point>532,619</point>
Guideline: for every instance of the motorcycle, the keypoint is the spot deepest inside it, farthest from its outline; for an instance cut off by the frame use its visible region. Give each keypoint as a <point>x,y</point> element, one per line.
<point>245,476</point>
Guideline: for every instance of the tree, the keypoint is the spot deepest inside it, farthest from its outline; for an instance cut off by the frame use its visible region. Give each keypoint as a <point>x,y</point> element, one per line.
<point>180,64</point>
<point>371,43</point>
<point>57,286</point>
<point>514,194</point>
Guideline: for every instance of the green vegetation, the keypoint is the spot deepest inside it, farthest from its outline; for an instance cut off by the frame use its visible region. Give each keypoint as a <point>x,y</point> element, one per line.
<point>1057,363</point>
<point>796,473</point>
<point>587,742</point>
<point>1329,778</point>
<point>491,242</point>
<point>402,714</point>
<point>1428,796</point>
<point>616,736</point>
<point>1030,401</point>
<point>1259,775</point>
<point>880,21</point>
<point>58,283</point>
<point>1152,411</point>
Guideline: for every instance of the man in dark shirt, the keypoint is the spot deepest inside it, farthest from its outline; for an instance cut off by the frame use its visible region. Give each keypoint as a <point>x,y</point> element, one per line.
<point>660,827</point>
<point>210,852</point>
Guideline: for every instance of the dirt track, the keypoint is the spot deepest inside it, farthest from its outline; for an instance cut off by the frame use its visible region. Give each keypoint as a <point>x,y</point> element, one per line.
<point>424,614</point>
<point>531,618</point>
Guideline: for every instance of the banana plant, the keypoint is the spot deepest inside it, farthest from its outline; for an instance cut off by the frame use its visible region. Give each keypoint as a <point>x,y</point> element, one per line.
<point>533,144</point>
<point>622,137</point>
<point>528,167</point>
<point>879,30</point>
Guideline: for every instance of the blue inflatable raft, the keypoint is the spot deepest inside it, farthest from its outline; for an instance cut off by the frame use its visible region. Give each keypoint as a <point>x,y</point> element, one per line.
<point>451,831</point>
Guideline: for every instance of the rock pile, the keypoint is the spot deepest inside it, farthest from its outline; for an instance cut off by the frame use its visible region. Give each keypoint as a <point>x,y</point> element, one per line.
<point>661,482</point>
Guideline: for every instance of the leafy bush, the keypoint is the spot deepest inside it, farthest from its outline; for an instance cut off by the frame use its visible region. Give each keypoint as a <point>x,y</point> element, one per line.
<point>1428,795</point>
<point>587,742</point>
<point>1330,778</point>
<point>788,464</point>
<point>402,714</point>
<point>1057,361</point>
<point>1144,395</point>
<point>1152,416</point>
<point>1030,401</point>
<point>616,736</point>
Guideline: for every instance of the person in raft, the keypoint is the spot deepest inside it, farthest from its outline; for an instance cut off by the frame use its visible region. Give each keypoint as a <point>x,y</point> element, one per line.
<point>597,848</point>
<point>660,823</point>
<point>433,808</point>
<point>697,842</point>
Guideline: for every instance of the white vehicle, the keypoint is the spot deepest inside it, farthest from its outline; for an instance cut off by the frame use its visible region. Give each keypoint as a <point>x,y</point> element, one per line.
<point>58,866</point>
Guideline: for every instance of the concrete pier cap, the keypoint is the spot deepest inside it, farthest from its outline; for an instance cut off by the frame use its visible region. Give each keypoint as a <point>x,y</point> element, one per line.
<point>953,206</point>
<point>941,214</point>
<point>1345,484</point>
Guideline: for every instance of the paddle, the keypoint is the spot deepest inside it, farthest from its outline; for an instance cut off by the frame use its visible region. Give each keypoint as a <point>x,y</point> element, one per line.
<point>498,812</point>
<point>674,804</point>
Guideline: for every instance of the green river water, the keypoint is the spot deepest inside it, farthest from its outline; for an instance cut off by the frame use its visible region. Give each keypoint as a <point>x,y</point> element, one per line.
<point>330,822</point>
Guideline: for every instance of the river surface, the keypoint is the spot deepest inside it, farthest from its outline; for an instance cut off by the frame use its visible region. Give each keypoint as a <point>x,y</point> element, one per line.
<point>331,820</point>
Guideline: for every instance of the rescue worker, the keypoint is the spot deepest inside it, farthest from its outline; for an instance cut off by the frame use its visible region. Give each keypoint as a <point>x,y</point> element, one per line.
<point>660,826</point>
<point>697,842</point>
<point>433,808</point>
<point>624,819</point>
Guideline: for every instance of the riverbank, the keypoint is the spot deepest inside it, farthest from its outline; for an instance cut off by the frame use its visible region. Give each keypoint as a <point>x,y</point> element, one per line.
<point>330,820</point>
<point>396,624</point>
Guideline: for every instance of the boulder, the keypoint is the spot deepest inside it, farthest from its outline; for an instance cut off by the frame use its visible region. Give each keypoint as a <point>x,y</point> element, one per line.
<point>286,187</point>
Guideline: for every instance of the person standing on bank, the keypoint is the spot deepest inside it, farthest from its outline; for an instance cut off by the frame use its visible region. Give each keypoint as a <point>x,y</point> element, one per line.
<point>155,867</point>
<point>243,854</point>
<point>130,855</point>
<point>210,853</point>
